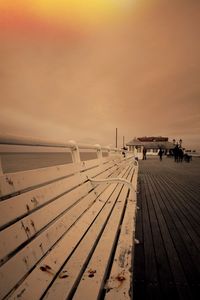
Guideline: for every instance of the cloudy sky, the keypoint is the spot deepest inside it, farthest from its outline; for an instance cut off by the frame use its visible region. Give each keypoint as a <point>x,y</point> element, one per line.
<point>79,69</point>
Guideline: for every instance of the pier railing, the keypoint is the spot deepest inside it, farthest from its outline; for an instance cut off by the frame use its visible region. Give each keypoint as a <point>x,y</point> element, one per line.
<point>12,148</point>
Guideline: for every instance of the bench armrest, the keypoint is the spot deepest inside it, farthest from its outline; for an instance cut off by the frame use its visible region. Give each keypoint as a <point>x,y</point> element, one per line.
<point>110,180</point>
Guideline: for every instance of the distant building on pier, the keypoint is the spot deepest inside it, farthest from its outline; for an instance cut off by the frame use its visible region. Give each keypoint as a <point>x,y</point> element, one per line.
<point>152,145</point>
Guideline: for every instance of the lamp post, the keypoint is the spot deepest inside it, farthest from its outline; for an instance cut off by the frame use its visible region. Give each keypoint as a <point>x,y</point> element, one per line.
<point>123,141</point>
<point>116,137</point>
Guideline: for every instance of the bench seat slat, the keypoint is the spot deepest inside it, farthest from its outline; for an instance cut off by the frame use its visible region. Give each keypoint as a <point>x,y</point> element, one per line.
<point>13,236</point>
<point>106,167</point>
<point>119,283</point>
<point>21,205</point>
<point>59,254</point>
<point>24,204</point>
<point>26,258</point>
<point>14,182</point>
<point>20,232</point>
<point>62,287</point>
<point>90,287</point>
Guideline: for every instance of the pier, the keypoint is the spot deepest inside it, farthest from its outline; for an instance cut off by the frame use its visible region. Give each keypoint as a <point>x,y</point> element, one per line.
<point>167,257</point>
<point>84,222</point>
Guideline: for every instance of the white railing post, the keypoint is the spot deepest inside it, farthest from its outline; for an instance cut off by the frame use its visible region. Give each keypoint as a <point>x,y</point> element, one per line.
<point>75,152</point>
<point>108,147</point>
<point>99,153</point>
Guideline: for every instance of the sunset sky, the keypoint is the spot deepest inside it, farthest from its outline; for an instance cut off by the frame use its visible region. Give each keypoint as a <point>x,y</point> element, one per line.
<point>74,69</point>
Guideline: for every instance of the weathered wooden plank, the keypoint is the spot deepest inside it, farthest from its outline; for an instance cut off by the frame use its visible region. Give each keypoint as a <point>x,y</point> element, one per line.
<point>174,261</point>
<point>20,232</point>
<point>92,286</point>
<point>85,165</point>
<point>185,214</point>
<point>66,280</point>
<point>119,283</point>
<point>152,287</point>
<point>46,269</point>
<point>104,170</point>
<point>16,207</point>
<point>188,208</point>
<point>26,258</point>
<point>19,181</point>
<point>180,237</point>
<point>15,182</point>
<point>182,194</point>
<point>25,229</point>
<point>99,164</point>
<point>176,192</point>
<point>182,220</point>
<point>139,259</point>
<point>191,190</point>
<point>16,234</point>
<point>163,266</point>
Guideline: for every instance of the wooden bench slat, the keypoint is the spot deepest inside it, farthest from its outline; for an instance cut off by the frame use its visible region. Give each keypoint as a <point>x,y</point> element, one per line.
<point>119,283</point>
<point>66,279</point>
<point>105,167</point>
<point>13,236</point>
<point>14,182</point>
<point>90,287</point>
<point>21,205</point>
<point>26,258</point>
<point>20,232</point>
<point>57,256</point>
<point>19,181</point>
<point>116,157</point>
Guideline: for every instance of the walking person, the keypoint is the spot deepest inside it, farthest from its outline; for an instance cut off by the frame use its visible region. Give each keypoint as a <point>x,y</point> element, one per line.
<point>176,153</point>
<point>144,153</point>
<point>180,155</point>
<point>160,153</point>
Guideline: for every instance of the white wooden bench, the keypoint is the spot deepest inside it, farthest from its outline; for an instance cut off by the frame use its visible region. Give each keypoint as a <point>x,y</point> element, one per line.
<point>67,231</point>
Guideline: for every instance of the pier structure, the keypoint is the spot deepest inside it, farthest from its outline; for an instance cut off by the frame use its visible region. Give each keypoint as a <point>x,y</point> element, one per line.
<point>79,221</point>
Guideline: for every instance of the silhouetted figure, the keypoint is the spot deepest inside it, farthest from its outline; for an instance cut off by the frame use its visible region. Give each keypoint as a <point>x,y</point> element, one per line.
<point>124,151</point>
<point>176,153</point>
<point>180,155</point>
<point>144,153</point>
<point>160,153</point>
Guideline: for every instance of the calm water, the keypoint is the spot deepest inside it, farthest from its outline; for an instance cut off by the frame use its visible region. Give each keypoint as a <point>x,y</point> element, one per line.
<point>14,162</point>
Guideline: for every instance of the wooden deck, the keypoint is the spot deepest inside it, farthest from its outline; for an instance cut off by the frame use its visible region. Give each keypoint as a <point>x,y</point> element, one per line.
<point>167,259</point>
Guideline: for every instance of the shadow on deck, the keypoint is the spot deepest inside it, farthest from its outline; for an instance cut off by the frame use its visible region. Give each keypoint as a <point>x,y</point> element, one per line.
<point>167,259</point>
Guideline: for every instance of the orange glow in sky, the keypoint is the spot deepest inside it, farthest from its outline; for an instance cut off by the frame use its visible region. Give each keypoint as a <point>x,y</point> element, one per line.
<point>60,13</point>
<point>77,69</point>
